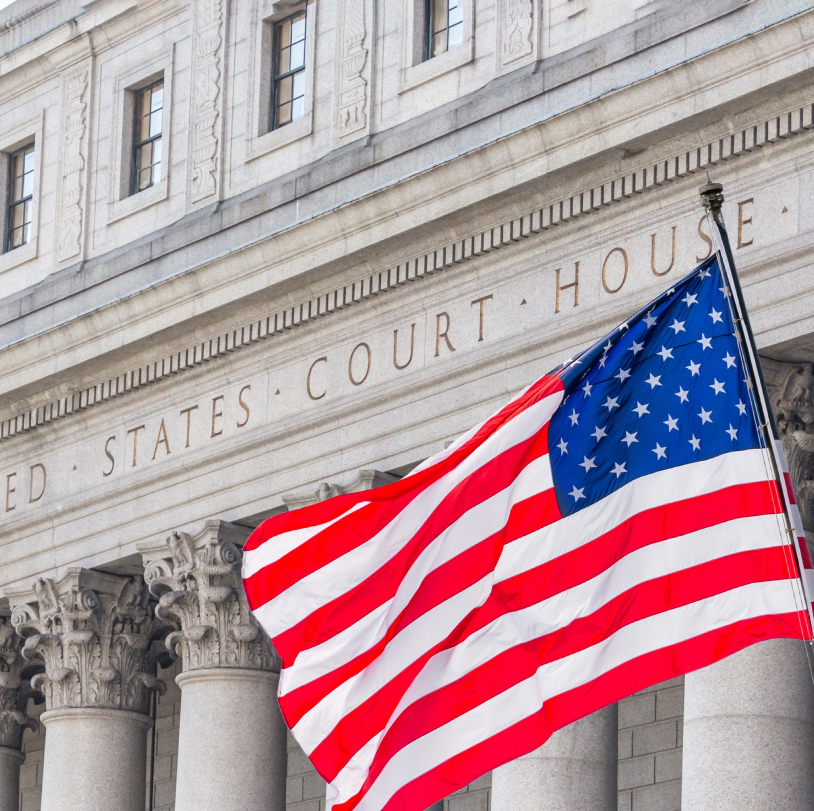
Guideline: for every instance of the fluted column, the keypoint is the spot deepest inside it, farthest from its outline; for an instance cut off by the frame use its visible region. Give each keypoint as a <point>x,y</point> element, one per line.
<point>98,641</point>
<point>232,742</point>
<point>15,692</point>
<point>575,770</point>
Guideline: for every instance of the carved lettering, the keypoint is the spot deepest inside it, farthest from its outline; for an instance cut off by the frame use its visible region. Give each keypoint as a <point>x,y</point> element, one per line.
<point>350,364</point>
<point>10,491</point>
<point>481,302</point>
<point>742,243</point>
<point>188,412</point>
<point>442,334</point>
<point>623,253</point>
<point>396,347</point>
<point>703,234</point>
<point>561,287</point>
<point>31,497</point>
<point>134,432</point>
<point>109,455</point>
<point>653,255</point>
<point>308,380</point>
<point>216,415</point>
<point>161,439</point>
<point>244,406</point>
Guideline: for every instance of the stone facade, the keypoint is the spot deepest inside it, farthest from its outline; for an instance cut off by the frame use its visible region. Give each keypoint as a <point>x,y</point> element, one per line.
<point>290,314</point>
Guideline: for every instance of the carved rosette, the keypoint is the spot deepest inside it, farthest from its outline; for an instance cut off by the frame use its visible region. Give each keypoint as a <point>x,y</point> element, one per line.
<point>791,387</point>
<point>15,690</point>
<point>198,583</point>
<point>96,635</point>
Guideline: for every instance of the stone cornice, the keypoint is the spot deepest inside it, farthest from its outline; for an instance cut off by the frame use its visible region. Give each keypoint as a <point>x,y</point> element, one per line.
<point>563,210</point>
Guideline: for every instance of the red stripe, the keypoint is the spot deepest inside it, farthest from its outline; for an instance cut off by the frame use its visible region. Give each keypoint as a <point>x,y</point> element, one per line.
<point>534,731</point>
<point>789,488</point>
<point>805,555</point>
<point>328,510</point>
<point>354,604</point>
<point>439,585</point>
<point>528,588</point>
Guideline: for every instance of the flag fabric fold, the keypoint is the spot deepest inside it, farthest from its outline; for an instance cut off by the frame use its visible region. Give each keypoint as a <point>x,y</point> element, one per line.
<point>614,525</point>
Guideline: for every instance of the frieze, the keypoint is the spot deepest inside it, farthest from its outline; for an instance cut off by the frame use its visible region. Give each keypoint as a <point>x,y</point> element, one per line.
<point>500,236</point>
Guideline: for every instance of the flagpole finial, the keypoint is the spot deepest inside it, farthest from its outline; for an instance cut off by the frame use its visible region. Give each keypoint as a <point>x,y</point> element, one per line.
<point>712,198</point>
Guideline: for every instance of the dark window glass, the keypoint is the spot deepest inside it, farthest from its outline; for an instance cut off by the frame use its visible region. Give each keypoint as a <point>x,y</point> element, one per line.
<point>444,26</point>
<point>20,197</point>
<point>288,71</point>
<point>147,141</point>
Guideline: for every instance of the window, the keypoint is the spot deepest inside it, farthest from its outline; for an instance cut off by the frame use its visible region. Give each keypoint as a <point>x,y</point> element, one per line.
<point>20,197</point>
<point>444,27</point>
<point>147,141</point>
<point>288,85</point>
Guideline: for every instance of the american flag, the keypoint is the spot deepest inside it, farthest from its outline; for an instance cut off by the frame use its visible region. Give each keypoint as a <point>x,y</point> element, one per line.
<point>616,524</point>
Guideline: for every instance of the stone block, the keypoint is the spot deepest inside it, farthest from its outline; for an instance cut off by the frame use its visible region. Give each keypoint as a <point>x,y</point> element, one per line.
<point>638,709</point>
<point>166,741</point>
<point>298,763</point>
<point>164,793</point>
<point>654,737</point>
<point>293,789</point>
<point>162,768</point>
<point>313,786</point>
<point>30,800</point>
<point>484,781</point>
<point>28,776</point>
<point>634,772</point>
<point>670,703</point>
<point>624,801</point>
<point>625,743</point>
<point>471,801</point>
<point>658,797</point>
<point>668,766</point>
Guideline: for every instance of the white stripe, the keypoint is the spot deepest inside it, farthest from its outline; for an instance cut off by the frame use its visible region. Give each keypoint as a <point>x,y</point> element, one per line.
<point>555,613</point>
<point>340,575</point>
<point>524,699</point>
<point>277,546</point>
<point>482,521</point>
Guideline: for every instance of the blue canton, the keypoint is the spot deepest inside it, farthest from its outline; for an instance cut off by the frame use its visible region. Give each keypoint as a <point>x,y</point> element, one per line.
<point>666,388</point>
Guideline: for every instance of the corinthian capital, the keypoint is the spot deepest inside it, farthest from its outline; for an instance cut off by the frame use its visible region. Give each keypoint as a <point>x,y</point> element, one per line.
<point>96,636</point>
<point>15,690</point>
<point>197,581</point>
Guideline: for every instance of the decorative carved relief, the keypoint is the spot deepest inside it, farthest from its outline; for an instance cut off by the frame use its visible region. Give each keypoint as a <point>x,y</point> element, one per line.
<point>365,480</point>
<point>206,99</point>
<point>96,635</point>
<point>74,107</point>
<point>791,386</point>
<point>517,27</point>
<point>198,583</point>
<point>353,86</point>
<point>15,690</point>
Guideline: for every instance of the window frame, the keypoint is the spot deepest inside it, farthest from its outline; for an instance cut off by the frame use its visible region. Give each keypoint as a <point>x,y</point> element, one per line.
<point>430,34</point>
<point>136,144</point>
<point>275,80</point>
<point>11,204</point>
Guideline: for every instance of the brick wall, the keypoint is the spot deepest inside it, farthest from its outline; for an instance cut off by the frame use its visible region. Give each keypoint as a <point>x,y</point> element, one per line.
<point>650,741</point>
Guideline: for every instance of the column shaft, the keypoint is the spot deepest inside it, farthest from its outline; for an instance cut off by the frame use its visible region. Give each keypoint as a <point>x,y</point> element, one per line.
<point>575,770</point>
<point>232,746</point>
<point>749,732</point>
<point>10,762</point>
<point>94,759</point>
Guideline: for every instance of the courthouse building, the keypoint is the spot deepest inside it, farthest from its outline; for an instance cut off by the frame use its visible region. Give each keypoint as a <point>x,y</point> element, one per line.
<point>260,252</point>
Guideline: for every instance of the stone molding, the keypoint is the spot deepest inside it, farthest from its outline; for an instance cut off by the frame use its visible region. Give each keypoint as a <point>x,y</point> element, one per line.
<point>614,191</point>
<point>365,480</point>
<point>97,637</point>
<point>198,584</point>
<point>15,690</point>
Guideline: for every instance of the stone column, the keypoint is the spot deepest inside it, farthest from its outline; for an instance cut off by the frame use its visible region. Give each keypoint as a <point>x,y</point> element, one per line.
<point>15,692</point>
<point>575,770</point>
<point>232,745</point>
<point>97,639</point>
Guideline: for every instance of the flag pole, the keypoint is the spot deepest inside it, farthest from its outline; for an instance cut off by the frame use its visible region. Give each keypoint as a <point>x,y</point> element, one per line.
<point>712,198</point>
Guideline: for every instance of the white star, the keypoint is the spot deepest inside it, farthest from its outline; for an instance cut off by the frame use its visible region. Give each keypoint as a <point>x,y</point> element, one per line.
<point>574,417</point>
<point>661,453</point>
<point>623,326</point>
<point>703,274</point>
<point>602,361</point>
<point>682,395</point>
<point>587,463</point>
<point>678,326</point>
<point>563,446</point>
<point>640,409</point>
<point>650,320</point>
<point>587,389</point>
<point>599,433</point>
<point>619,469</point>
<point>665,353</point>
<point>715,316</point>
<point>696,443</point>
<point>630,438</point>
<point>607,346</point>
<point>719,387</point>
<point>611,403</point>
<point>636,348</point>
<point>690,300</point>
<point>577,493</point>
<point>671,423</point>
<point>705,416</point>
<point>694,368</point>
<point>623,374</point>
<point>653,381</point>
<point>741,408</point>
<point>671,291</point>
<point>729,360</point>
<point>706,343</point>
<point>733,432</point>
<point>724,290</point>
